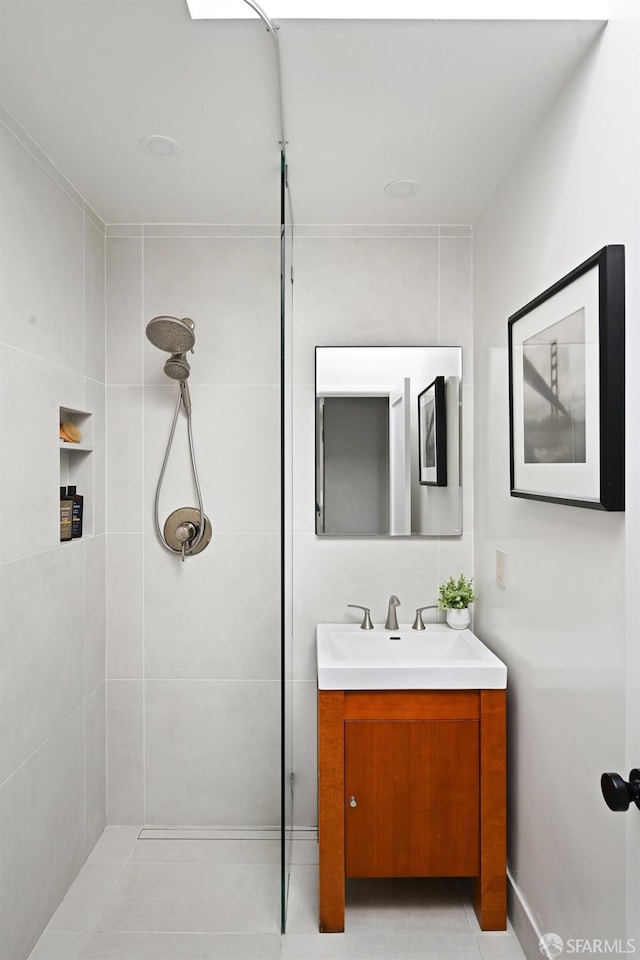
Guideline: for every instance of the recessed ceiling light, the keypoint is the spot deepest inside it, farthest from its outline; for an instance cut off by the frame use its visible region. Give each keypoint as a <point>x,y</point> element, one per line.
<point>159,146</point>
<point>398,189</point>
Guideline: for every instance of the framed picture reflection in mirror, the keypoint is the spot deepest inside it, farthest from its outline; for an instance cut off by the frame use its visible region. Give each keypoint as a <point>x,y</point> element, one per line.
<point>432,435</point>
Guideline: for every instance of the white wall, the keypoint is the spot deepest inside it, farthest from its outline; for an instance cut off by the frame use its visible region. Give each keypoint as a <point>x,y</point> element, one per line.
<point>193,649</point>
<point>52,693</point>
<point>370,286</point>
<point>560,622</point>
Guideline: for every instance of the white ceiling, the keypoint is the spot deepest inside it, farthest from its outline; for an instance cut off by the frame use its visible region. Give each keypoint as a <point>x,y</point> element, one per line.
<point>447,103</point>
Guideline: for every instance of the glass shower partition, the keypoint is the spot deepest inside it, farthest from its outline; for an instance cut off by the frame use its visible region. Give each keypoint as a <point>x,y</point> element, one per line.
<point>286,450</point>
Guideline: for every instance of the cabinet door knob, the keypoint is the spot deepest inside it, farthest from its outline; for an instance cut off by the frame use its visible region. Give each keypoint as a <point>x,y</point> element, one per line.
<point>353,802</point>
<point>617,793</point>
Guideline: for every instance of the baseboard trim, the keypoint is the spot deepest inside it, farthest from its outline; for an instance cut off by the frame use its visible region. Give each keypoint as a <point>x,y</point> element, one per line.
<point>523,922</point>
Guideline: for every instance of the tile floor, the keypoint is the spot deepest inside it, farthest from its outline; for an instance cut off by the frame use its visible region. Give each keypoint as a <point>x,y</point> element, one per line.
<point>192,899</point>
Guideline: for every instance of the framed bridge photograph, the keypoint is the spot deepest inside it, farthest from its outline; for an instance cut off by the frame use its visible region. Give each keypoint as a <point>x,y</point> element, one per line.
<point>566,388</point>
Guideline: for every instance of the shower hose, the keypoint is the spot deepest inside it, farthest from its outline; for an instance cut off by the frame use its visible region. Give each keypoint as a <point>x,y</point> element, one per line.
<point>193,543</point>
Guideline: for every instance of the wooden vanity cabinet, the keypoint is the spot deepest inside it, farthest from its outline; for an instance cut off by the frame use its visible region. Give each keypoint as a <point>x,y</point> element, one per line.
<point>412,784</point>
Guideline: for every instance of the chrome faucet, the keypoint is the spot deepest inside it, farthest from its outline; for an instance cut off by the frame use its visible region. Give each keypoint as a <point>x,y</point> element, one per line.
<point>418,623</point>
<point>392,619</point>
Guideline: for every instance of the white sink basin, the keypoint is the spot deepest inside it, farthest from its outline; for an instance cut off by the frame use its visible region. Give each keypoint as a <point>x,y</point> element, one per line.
<point>436,658</point>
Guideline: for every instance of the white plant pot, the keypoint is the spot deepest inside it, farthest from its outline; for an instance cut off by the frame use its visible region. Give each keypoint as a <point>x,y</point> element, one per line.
<point>459,619</point>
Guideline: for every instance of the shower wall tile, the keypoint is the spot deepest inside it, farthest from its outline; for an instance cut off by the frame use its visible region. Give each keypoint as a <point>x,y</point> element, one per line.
<point>304,725</point>
<point>94,301</point>
<point>124,606</point>
<point>330,573</point>
<point>208,230</point>
<point>95,767</point>
<point>456,230</point>
<point>222,620</point>
<point>456,299</point>
<point>364,231</point>
<point>123,229</point>
<point>52,643</point>
<point>94,613</point>
<point>303,499</point>
<point>43,643</point>
<point>236,432</point>
<point>125,776</point>
<point>41,249</point>
<point>124,458</point>
<point>10,919</point>
<point>354,291</point>
<point>95,403</point>
<point>31,391</point>
<point>222,739</point>
<point>230,287</point>
<point>287,464</point>
<point>42,836</point>
<point>30,468</point>
<point>125,327</point>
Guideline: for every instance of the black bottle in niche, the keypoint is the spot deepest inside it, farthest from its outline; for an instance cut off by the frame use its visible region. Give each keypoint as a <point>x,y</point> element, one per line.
<point>78,504</point>
<point>66,514</point>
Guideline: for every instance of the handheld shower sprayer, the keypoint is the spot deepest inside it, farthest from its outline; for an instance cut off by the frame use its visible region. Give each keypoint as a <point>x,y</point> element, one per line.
<point>177,367</point>
<point>187,530</point>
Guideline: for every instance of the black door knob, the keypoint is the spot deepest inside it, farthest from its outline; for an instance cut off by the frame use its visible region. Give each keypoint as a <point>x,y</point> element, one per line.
<point>617,793</point>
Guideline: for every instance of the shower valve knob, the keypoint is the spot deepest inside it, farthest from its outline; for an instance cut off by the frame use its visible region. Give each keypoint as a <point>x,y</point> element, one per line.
<point>617,793</point>
<point>185,532</point>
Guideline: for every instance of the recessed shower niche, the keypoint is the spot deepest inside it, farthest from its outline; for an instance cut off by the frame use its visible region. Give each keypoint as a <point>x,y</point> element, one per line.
<point>76,462</point>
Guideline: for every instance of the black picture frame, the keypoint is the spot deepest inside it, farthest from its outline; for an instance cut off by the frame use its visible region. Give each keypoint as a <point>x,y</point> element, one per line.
<point>432,435</point>
<point>566,388</point>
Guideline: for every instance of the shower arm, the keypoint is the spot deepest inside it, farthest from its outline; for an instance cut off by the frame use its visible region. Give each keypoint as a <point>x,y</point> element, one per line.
<point>193,544</point>
<point>273,28</point>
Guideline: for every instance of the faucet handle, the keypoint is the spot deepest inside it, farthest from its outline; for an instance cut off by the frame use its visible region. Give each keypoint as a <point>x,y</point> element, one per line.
<point>366,620</point>
<point>418,623</point>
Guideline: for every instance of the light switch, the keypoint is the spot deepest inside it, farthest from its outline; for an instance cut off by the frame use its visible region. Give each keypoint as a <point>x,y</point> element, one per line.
<point>501,559</point>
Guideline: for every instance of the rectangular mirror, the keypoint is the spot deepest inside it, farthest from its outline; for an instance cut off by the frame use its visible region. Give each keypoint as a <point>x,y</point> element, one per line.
<point>388,441</point>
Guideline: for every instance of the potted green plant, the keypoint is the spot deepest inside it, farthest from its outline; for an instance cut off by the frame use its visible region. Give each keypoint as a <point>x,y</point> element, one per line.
<point>455,597</point>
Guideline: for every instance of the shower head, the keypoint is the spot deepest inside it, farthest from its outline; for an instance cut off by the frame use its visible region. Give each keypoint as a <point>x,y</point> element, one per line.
<point>177,367</point>
<point>173,335</point>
